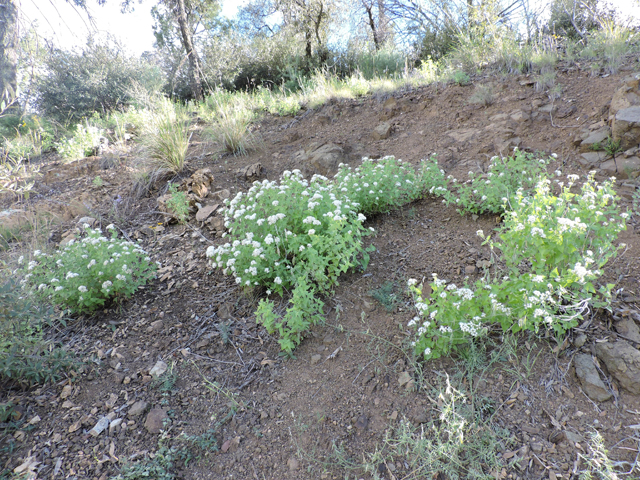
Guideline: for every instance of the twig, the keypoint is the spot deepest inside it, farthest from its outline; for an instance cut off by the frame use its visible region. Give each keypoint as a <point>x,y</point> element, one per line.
<point>363,369</point>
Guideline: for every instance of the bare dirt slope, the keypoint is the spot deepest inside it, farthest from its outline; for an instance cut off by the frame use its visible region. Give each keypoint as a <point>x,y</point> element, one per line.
<point>352,379</point>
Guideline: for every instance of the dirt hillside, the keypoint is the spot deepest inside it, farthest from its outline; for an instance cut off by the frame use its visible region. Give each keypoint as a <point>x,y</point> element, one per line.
<point>258,415</point>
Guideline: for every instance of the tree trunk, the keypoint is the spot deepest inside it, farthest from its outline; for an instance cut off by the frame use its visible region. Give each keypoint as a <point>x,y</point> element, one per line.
<point>195,69</point>
<point>8,52</point>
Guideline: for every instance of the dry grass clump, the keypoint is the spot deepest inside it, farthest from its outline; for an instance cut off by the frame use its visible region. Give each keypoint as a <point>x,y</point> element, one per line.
<point>483,95</point>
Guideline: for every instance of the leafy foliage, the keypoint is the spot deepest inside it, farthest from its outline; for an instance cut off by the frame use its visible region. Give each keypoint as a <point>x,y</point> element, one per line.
<point>85,274</point>
<point>102,75</point>
<point>553,249</point>
<point>25,356</point>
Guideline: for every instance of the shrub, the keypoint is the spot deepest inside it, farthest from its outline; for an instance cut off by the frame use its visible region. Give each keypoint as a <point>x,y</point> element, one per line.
<point>25,356</point>
<point>85,274</point>
<point>178,203</point>
<point>298,235</point>
<point>83,143</point>
<point>553,249</point>
<point>487,193</point>
<point>378,186</point>
<point>101,75</point>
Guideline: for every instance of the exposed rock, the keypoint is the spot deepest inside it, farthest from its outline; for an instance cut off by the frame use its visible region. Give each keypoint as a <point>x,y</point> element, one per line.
<point>628,328</point>
<point>566,110</point>
<point>595,140</point>
<point>158,369</point>
<point>88,220</point>
<point>404,378</point>
<point>137,408</point>
<point>155,420</point>
<point>591,159</point>
<point>100,427</point>
<point>580,340</point>
<point>627,95</point>
<point>206,211</point>
<point>389,109</point>
<point>66,392</point>
<point>199,183</point>
<point>626,127</point>
<point>591,383</point>
<point>382,131</point>
<point>220,195</point>
<point>225,311</point>
<point>293,464</point>
<point>322,158</point>
<point>216,224</point>
<point>520,116</point>
<point>464,134</point>
<point>623,362</point>
<point>250,172</point>
<point>315,359</point>
<point>621,167</point>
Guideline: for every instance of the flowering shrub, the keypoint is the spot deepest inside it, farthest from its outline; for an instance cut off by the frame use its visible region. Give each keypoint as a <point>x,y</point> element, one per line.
<point>488,193</point>
<point>378,186</point>
<point>86,273</point>
<point>296,234</point>
<point>553,249</point>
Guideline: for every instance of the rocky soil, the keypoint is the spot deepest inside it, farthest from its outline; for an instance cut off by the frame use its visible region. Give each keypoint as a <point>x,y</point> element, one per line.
<point>185,355</point>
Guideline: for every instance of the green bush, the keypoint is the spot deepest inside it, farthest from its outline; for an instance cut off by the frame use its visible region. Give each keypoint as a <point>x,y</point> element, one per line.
<point>75,84</point>
<point>553,249</point>
<point>87,273</point>
<point>25,356</point>
<point>298,235</point>
<point>378,186</point>
<point>83,143</point>
<point>488,193</point>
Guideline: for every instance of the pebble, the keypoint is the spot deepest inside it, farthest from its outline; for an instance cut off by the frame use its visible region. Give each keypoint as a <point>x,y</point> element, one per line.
<point>155,420</point>
<point>137,408</point>
<point>99,427</point>
<point>158,369</point>
<point>315,359</point>
<point>66,392</point>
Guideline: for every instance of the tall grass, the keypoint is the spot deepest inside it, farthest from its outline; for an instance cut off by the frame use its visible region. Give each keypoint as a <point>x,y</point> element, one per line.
<point>166,137</point>
<point>231,128</point>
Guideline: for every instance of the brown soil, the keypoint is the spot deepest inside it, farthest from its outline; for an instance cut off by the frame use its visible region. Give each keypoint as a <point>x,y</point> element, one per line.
<point>288,413</point>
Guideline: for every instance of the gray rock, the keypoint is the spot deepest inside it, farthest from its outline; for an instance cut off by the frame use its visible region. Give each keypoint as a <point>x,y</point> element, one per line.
<point>595,139</point>
<point>627,95</point>
<point>137,408</point>
<point>323,159</point>
<point>158,369</point>
<point>580,340</point>
<point>626,127</point>
<point>592,158</point>
<point>155,421</point>
<point>206,211</point>
<point>623,362</point>
<point>573,437</point>
<point>520,116</point>
<point>628,328</point>
<point>88,220</point>
<point>591,383</point>
<point>250,172</point>
<point>382,131</point>
<point>100,427</point>
<point>464,134</point>
<point>622,167</point>
<point>315,359</point>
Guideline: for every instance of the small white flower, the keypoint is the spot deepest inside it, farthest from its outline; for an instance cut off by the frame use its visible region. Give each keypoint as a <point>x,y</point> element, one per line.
<point>277,280</point>
<point>82,288</point>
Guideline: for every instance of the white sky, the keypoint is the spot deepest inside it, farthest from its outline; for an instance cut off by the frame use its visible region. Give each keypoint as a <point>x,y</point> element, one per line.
<point>68,27</point>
